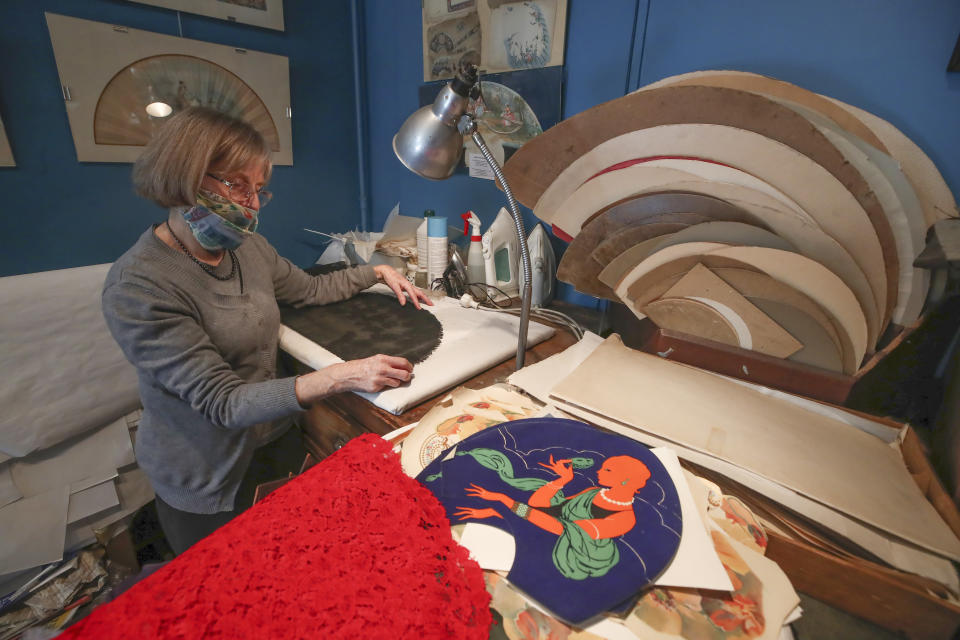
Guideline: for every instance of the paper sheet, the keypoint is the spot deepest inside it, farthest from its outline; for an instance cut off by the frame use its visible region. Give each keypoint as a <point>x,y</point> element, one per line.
<point>102,451</point>
<point>32,530</point>
<point>538,379</point>
<point>70,376</point>
<point>133,491</point>
<point>91,501</point>
<point>821,458</point>
<point>473,341</point>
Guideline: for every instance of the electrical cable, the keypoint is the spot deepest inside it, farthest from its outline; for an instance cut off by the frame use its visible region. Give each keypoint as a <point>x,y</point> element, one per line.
<point>548,315</point>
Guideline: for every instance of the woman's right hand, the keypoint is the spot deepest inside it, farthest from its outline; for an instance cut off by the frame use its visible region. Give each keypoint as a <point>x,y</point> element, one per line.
<point>560,467</point>
<point>369,375</point>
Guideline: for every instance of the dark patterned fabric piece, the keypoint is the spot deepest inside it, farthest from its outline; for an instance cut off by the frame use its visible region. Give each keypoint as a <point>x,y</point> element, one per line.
<point>368,324</point>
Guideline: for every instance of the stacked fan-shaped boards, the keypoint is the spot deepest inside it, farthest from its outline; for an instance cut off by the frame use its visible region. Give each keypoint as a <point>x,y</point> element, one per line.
<point>741,209</point>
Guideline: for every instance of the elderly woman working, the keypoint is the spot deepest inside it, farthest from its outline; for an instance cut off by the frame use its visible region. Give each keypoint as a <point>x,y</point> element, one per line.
<point>193,305</point>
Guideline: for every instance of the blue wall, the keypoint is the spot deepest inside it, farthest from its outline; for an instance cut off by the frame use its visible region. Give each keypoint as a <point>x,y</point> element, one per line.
<point>886,56</point>
<point>59,213</point>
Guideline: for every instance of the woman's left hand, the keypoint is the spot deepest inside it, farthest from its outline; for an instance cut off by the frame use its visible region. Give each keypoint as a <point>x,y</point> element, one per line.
<point>400,285</point>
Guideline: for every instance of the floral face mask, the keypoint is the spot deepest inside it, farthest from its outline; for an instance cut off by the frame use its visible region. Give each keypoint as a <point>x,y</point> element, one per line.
<point>218,223</point>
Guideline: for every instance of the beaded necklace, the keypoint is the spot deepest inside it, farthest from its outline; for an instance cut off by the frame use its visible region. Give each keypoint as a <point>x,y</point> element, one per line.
<point>234,270</point>
<point>622,503</point>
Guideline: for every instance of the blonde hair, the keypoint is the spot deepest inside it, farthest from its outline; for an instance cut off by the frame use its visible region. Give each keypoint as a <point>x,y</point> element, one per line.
<point>191,143</point>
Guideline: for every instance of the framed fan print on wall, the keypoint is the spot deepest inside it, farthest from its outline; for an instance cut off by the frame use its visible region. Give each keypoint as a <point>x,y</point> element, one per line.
<point>119,85</point>
<point>261,13</point>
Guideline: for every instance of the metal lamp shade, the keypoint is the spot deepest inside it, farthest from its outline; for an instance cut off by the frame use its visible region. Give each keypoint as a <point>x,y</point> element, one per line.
<point>429,143</point>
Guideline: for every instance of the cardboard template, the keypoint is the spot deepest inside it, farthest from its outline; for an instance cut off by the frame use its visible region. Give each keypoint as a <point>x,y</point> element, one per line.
<point>771,87</point>
<point>768,337</point>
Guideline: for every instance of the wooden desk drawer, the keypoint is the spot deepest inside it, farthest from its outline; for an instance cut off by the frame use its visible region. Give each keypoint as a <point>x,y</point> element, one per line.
<point>326,429</point>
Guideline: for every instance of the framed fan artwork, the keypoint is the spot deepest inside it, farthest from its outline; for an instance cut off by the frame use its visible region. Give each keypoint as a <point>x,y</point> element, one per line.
<point>120,85</point>
<point>260,13</point>
<point>6,154</point>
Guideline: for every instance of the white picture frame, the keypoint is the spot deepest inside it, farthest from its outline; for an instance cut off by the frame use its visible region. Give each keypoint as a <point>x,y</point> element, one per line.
<point>6,153</point>
<point>260,13</point>
<point>90,55</point>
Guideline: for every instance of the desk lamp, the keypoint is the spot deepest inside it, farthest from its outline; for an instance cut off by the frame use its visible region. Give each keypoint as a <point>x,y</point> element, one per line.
<point>430,144</point>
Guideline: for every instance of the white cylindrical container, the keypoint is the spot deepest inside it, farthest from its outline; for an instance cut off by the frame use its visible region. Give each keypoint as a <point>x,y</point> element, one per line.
<point>420,279</point>
<point>437,256</point>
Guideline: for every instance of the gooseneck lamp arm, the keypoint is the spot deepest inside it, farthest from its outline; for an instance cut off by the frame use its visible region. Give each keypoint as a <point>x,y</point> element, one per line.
<point>526,292</point>
<point>430,143</point>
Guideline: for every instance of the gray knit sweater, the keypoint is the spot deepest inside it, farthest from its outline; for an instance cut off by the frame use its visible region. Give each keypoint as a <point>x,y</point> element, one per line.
<point>205,354</point>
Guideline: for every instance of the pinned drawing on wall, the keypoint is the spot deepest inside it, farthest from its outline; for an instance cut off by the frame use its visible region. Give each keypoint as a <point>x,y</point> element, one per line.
<point>119,85</point>
<point>260,13</point>
<point>495,35</point>
<point>6,153</point>
<point>451,37</point>
<point>522,35</point>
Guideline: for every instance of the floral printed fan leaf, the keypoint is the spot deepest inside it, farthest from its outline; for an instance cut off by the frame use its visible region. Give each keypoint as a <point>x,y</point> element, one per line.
<point>180,82</point>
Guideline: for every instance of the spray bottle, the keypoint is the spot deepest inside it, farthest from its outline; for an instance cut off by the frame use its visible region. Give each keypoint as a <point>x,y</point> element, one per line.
<point>475,267</point>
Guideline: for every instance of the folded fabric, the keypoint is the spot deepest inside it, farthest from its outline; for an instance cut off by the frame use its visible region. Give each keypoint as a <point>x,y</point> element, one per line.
<point>352,548</point>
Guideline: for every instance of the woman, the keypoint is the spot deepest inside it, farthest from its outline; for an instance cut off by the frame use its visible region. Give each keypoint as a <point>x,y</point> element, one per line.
<point>193,305</point>
<point>585,523</point>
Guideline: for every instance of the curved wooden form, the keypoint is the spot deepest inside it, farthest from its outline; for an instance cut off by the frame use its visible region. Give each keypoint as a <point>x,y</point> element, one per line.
<point>744,110</point>
<point>809,239</point>
<point>699,319</point>
<point>819,193</point>
<point>765,85</point>
<point>800,273</point>
<point>627,218</point>
<point>934,194</point>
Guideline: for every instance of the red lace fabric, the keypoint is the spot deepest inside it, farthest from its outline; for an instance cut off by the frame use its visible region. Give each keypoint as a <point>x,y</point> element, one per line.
<point>352,548</point>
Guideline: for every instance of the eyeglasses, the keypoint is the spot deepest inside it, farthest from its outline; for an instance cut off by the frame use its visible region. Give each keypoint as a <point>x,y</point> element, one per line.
<point>241,191</point>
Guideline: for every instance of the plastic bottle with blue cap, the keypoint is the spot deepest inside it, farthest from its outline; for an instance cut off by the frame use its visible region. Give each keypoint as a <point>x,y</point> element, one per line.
<point>437,256</point>
<point>420,279</point>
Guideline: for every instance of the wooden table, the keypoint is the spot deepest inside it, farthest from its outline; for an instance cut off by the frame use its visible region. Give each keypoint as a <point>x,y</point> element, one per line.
<point>329,424</point>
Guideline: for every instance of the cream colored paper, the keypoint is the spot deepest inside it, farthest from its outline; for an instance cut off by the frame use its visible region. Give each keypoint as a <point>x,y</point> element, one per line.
<point>778,596</point>
<point>539,379</point>
<point>821,458</point>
